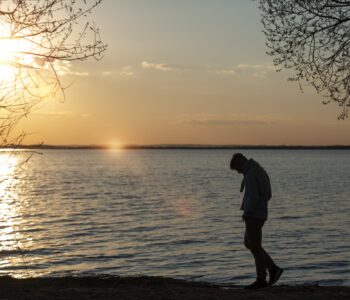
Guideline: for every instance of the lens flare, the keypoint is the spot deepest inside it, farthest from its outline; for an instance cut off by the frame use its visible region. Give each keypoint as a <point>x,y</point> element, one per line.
<point>186,207</point>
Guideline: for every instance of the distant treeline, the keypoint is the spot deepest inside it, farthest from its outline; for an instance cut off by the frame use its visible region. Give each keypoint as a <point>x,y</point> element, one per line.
<point>185,147</point>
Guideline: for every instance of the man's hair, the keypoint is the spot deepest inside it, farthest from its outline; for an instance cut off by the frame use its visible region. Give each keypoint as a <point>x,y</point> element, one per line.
<point>235,159</point>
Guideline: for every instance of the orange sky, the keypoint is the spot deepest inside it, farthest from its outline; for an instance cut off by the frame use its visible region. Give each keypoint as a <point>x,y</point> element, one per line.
<point>183,72</point>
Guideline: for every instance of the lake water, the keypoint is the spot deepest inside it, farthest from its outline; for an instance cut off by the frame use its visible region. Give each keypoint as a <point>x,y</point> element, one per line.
<point>172,213</point>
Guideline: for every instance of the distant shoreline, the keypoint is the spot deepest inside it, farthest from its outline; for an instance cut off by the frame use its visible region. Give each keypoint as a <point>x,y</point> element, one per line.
<point>178,147</point>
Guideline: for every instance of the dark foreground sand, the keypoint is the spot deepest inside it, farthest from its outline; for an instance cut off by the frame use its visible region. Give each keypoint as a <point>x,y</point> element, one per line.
<point>154,288</point>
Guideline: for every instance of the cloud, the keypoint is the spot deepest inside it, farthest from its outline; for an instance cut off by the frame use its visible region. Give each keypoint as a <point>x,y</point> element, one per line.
<point>154,66</point>
<point>259,71</point>
<point>260,67</point>
<point>227,119</point>
<point>127,71</point>
<point>63,68</point>
<point>226,72</point>
<point>123,72</point>
<point>255,70</point>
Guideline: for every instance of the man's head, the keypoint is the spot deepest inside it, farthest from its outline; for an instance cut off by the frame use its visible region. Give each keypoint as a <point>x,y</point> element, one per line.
<point>237,162</point>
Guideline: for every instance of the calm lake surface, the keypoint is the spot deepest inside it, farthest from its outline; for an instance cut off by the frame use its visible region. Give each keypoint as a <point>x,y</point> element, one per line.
<point>172,213</point>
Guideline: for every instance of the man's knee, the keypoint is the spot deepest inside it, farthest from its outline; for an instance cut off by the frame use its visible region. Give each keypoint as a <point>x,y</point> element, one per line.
<point>255,247</point>
<point>246,243</point>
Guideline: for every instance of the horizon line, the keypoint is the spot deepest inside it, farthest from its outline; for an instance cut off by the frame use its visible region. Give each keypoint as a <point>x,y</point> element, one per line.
<point>172,146</point>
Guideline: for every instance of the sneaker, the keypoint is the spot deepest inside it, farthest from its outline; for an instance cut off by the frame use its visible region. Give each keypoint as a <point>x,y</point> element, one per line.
<point>275,274</point>
<point>259,284</point>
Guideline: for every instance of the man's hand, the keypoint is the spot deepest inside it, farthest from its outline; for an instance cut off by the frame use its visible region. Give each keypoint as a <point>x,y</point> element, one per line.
<point>242,185</point>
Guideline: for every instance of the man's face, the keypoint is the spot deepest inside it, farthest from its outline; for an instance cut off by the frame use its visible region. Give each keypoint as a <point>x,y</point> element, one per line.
<point>239,166</point>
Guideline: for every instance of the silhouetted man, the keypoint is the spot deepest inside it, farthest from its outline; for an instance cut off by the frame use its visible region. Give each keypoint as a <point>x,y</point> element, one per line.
<point>256,184</point>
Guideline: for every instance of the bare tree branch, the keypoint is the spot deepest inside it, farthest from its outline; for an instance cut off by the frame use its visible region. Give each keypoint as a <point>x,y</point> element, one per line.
<point>312,38</point>
<point>34,37</point>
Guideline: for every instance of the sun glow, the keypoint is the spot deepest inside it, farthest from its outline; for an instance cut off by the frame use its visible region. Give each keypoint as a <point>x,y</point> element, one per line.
<point>115,145</point>
<point>25,76</point>
<point>14,53</point>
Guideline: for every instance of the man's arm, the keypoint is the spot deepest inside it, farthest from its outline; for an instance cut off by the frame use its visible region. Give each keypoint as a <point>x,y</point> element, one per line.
<point>251,197</point>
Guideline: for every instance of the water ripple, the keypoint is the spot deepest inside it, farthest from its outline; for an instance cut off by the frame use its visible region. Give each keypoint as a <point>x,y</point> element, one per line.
<point>174,213</point>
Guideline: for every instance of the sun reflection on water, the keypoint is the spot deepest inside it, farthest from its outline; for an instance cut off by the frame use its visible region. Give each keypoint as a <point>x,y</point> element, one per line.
<point>10,238</point>
<point>8,164</point>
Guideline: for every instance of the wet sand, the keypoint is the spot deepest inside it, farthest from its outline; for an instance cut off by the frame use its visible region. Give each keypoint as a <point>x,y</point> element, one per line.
<point>155,288</point>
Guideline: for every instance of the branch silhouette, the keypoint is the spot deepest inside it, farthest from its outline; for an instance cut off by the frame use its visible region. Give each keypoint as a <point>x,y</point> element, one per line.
<point>40,34</point>
<point>312,38</point>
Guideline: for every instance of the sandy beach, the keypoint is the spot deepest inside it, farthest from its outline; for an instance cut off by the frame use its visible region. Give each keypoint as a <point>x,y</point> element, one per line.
<point>155,288</point>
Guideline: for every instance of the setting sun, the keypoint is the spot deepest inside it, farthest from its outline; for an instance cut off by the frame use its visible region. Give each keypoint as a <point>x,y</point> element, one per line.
<point>15,53</point>
<point>155,149</point>
<point>115,145</point>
